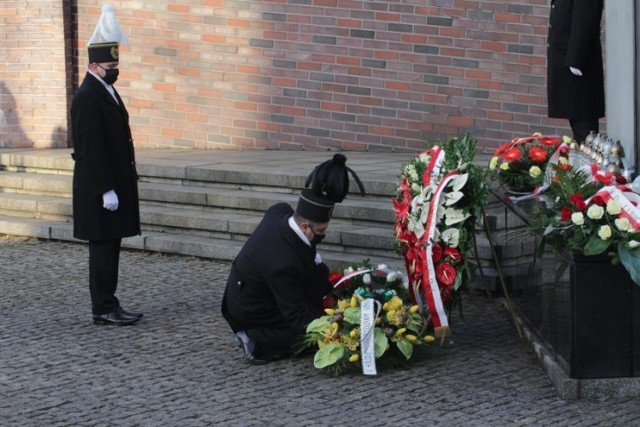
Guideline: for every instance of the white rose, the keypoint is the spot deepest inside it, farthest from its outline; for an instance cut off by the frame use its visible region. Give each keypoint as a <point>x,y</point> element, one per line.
<point>366,279</point>
<point>381,267</point>
<point>348,270</point>
<point>493,164</point>
<point>392,276</point>
<point>604,232</point>
<point>613,207</point>
<point>535,171</point>
<point>633,244</point>
<point>577,218</point>
<point>622,224</point>
<point>595,212</point>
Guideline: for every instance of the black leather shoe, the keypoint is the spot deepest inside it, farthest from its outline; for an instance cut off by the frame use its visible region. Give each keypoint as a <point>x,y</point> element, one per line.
<point>114,318</point>
<point>129,313</point>
<point>247,347</point>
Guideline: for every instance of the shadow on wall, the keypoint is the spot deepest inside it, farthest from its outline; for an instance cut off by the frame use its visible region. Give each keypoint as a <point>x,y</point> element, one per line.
<point>11,134</point>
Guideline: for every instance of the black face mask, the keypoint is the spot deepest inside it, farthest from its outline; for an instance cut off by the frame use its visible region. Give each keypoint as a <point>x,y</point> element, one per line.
<point>110,75</point>
<point>317,238</point>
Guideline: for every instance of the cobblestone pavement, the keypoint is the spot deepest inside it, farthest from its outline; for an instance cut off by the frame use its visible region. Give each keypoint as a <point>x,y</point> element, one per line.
<point>179,367</point>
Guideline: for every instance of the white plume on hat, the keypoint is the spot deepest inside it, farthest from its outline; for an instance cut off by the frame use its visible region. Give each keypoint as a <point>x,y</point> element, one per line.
<point>108,28</point>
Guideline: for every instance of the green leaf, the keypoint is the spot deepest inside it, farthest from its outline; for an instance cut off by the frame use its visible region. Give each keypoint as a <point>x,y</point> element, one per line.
<point>318,325</point>
<point>405,347</point>
<point>381,342</point>
<point>630,261</point>
<point>352,315</point>
<point>328,355</point>
<point>596,245</point>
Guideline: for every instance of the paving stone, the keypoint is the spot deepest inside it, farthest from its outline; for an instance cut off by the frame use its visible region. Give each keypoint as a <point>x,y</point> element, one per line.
<point>179,366</point>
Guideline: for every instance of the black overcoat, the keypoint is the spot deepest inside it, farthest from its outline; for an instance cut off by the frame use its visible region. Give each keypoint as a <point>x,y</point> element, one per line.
<point>104,160</point>
<point>574,41</point>
<point>275,282</point>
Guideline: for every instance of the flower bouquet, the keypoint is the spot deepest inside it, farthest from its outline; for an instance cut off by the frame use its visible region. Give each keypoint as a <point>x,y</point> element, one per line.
<point>594,213</point>
<point>338,337</point>
<point>440,196</point>
<point>520,165</point>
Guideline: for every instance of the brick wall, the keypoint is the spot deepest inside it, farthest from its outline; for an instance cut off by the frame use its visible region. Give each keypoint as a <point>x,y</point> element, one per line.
<point>35,77</point>
<point>319,74</point>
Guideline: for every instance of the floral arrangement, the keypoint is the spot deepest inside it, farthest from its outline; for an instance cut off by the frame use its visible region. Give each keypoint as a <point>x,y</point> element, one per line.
<point>440,196</point>
<point>399,327</point>
<point>522,163</point>
<point>593,213</point>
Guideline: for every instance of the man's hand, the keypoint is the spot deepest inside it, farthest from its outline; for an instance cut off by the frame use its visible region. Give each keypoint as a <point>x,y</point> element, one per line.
<point>110,200</point>
<point>575,71</point>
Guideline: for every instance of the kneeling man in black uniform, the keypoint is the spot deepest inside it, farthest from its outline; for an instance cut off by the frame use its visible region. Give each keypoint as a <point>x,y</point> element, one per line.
<point>278,280</point>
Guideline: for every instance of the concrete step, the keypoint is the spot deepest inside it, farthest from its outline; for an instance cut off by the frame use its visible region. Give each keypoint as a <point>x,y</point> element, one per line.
<point>178,243</point>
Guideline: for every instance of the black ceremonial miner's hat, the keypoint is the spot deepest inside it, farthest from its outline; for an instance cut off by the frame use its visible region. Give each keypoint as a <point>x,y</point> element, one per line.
<point>329,185</point>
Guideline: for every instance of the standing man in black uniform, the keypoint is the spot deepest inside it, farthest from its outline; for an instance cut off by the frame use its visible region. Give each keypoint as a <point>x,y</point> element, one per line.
<point>105,188</point>
<point>575,77</point>
<point>277,281</point>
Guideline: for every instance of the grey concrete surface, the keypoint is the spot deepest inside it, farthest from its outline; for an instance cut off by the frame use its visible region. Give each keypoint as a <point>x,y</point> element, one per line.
<point>180,367</point>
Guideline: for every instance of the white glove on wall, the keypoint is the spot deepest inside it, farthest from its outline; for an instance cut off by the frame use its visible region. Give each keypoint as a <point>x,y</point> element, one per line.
<point>576,71</point>
<point>110,200</point>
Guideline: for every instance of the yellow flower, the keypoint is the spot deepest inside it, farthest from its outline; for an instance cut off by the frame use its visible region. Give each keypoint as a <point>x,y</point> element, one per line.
<point>354,301</point>
<point>330,311</point>
<point>354,358</point>
<point>429,339</point>
<point>400,331</point>
<point>354,333</point>
<point>414,309</point>
<point>604,232</point>
<point>494,162</point>
<point>504,166</point>
<point>535,171</point>
<point>566,139</point>
<point>395,303</point>
<point>563,160</point>
<point>411,338</point>
<point>335,326</point>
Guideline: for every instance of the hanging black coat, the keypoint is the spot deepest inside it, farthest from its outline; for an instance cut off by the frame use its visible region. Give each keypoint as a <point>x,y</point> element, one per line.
<point>574,41</point>
<point>275,283</point>
<point>104,160</point>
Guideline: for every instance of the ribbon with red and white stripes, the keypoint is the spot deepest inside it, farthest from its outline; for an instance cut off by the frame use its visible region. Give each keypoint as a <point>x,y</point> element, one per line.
<point>627,199</point>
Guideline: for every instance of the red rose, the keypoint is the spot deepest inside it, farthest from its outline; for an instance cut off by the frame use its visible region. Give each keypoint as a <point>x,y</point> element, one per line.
<point>598,200</point>
<point>436,253</point>
<point>446,273</point>
<point>620,179</point>
<point>334,277</point>
<point>565,213</point>
<point>329,301</point>
<point>453,253</point>
<point>512,155</point>
<point>578,201</point>
<point>537,154</point>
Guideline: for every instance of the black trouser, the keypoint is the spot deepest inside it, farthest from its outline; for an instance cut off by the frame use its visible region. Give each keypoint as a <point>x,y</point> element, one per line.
<point>581,128</point>
<point>104,258</point>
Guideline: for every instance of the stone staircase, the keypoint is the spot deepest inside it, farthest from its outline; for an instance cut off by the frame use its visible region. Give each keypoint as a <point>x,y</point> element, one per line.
<point>206,203</point>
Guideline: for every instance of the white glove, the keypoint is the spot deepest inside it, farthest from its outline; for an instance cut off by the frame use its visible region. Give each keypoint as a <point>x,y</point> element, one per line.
<point>576,71</point>
<point>110,200</point>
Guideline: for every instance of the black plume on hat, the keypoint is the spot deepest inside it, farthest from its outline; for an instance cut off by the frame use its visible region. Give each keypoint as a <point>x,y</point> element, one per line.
<point>330,179</point>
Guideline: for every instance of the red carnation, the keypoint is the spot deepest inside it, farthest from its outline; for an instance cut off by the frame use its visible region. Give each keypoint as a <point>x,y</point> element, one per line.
<point>578,200</point>
<point>512,155</point>
<point>436,253</point>
<point>565,213</point>
<point>446,273</point>
<point>453,253</point>
<point>537,154</point>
